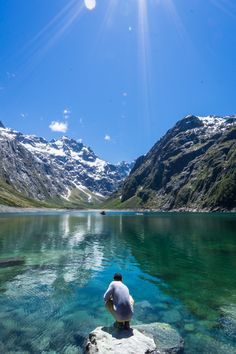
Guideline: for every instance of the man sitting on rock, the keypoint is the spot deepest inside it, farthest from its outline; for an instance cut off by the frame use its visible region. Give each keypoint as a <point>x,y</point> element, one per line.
<point>119,302</point>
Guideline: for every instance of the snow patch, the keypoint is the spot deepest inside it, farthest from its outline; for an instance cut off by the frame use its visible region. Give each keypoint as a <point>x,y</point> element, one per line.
<point>214,123</point>
<point>7,133</point>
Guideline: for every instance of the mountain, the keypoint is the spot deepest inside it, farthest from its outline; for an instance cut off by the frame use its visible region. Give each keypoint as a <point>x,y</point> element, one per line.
<point>193,167</point>
<point>63,169</point>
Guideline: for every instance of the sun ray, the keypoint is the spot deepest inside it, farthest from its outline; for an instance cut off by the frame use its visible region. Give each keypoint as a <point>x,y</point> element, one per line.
<point>50,25</point>
<point>44,40</point>
<point>225,6</point>
<point>144,57</point>
<point>34,45</point>
<point>73,15</point>
<point>106,23</point>
<point>171,8</point>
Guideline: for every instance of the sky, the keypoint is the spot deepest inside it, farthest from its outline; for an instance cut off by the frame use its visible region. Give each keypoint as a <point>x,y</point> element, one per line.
<point>116,74</point>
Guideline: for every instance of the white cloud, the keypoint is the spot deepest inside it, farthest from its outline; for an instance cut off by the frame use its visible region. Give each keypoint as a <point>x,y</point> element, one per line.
<point>130,28</point>
<point>58,126</point>
<point>107,137</point>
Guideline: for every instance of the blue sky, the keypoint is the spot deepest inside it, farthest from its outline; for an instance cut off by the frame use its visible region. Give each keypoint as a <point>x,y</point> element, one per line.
<point>117,76</point>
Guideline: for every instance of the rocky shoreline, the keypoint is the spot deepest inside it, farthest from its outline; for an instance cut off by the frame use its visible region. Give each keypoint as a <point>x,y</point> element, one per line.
<point>10,209</point>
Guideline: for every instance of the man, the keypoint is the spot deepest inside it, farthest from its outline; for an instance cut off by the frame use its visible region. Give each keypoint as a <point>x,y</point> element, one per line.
<point>119,302</point>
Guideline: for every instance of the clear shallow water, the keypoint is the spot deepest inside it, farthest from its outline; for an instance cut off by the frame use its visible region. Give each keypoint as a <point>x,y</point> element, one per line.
<point>180,269</point>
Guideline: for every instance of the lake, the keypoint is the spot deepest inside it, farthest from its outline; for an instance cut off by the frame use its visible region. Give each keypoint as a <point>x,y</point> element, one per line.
<point>179,267</point>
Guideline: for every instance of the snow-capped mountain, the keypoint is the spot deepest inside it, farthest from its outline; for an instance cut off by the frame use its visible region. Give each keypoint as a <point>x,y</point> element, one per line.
<point>47,169</point>
<point>191,167</point>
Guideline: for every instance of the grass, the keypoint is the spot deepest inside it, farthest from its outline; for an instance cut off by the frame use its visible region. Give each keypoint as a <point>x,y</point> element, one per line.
<point>78,199</point>
<point>115,203</point>
<point>10,197</point>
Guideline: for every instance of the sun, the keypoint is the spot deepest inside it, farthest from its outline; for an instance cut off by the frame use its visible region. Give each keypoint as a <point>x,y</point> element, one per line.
<point>90,4</point>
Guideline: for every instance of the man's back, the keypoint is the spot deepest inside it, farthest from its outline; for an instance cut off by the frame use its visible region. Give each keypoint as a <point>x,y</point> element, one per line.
<point>121,300</point>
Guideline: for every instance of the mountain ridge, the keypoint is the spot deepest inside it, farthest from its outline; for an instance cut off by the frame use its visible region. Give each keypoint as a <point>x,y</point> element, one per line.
<point>63,168</point>
<point>192,167</point>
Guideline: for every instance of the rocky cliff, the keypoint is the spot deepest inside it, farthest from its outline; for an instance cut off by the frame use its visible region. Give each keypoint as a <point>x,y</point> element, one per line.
<point>192,167</point>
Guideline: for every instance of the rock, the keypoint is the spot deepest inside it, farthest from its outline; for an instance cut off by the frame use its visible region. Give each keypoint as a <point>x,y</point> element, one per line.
<point>10,262</point>
<point>228,321</point>
<point>207,324</point>
<point>205,344</point>
<point>42,343</point>
<point>192,167</point>
<point>2,347</point>
<point>171,316</point>
<point>144,311</point>
<point>189,327</point>
<point>42,170</point>
<point>144,304</point>
<point>71,349</point>
<point>166,338</point>
<point>104,340</point>
<point>154,338</point>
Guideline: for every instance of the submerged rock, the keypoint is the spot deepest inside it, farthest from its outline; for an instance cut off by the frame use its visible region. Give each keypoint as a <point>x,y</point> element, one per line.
<point>228,321</point>
<point>11,262</point>
<point>154,338</point>
<point>166,338</point>
<point>205,344</point>
<point>189,327</point>
<point>143,304</point>
<point>171,316</point>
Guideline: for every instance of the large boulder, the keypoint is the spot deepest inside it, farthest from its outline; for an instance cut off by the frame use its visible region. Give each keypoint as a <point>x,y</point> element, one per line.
<point>154,338</point>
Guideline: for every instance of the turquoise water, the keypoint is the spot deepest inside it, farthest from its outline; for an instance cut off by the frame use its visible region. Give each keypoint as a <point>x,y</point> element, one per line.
<point>180,269</point>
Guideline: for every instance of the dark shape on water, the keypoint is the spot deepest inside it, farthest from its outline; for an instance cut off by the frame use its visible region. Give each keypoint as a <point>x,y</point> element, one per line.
<point>11,262</point>
<point>103,212</point>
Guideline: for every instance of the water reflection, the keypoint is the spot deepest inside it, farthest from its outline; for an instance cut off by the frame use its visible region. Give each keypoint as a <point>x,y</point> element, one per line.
<point>178,268</point>
<point>194,254</point>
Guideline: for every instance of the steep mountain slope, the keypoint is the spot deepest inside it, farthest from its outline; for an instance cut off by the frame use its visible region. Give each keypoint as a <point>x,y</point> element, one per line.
<point>192,167</point>
<point>49,171</point>
<point>11,197</point>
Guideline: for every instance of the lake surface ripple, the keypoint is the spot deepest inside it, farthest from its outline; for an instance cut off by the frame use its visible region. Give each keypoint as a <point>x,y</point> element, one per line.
<point>180,269</point>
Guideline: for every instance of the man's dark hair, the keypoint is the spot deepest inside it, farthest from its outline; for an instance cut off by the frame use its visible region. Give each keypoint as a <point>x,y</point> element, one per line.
<point>118,277</point>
